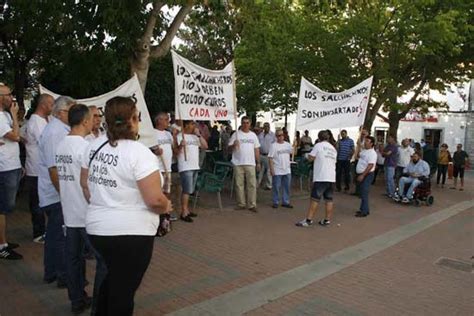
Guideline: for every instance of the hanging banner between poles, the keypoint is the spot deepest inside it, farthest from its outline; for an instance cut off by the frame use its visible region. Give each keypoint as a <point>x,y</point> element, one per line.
<point>202,94</point>
<point>318,109</point>
<point>130,88</point>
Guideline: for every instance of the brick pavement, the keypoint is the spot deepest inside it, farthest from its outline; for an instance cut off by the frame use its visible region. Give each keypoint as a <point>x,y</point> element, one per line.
<point>224,251</point>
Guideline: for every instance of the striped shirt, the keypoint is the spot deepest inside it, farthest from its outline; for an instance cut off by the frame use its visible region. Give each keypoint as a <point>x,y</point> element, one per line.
<point>345,148</point>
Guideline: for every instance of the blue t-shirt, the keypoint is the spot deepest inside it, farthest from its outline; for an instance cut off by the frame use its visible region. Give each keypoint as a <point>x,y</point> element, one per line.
<point>346,146</point>
<point>391,160</point>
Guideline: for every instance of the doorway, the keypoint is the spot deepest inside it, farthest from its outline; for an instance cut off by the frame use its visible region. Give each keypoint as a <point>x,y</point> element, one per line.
<point>433,137</point>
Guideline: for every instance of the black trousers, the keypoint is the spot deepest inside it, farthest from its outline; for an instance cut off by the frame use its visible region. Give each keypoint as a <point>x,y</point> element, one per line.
<point>121,264</point>
<point>343,171</point>
<point>442,169</point>
<point>38,218</point>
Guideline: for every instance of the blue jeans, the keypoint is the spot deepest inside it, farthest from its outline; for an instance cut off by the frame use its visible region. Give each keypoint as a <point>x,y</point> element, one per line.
<point>281,182</point>
<point>54,256</point>
<point>390,182</point>
<point>76,241</point>
<point>9,182</point>
<point>413,184</point>
<point>364,193</point>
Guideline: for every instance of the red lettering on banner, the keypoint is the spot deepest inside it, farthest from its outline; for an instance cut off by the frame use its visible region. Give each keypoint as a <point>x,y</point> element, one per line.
<point>198,112</point>
<point>220,113</point>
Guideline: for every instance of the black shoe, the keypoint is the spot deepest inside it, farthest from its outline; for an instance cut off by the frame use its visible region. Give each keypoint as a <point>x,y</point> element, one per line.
<point>361,214</point>
<point>192,214</point>
<point>61,284</point>
<point>8,253</point>
<point>49,281</point>
<point>87,302</point>
<point>275,205</point>
<point>13,245</point>
<point>287,205</point>
<point>186,218</point>
<point>324,222</point>
<point>253,209</point>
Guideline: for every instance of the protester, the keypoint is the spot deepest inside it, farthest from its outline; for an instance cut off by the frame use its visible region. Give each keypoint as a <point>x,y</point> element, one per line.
<point>390,154</point>
<point>297,144</point>
<point>444,158</point>
<point>187,149</point>
<point>306,143</point>
<point>419,150</point>
<point>280,169</point>
<point>266,139</point>
<point>97,122</point>
<point>48,191</point>
<point>214,139</point>
<point>286,134</point>
<point>345,150</point>
<point>359,146</point>
<point>10,168</point>
<point>35,126</point>
<point>205,134</point>
<point>380,161</point>
<point>460,161</point>
<point>164,150</point>
<point>416,171</point>
<point>120,177</point>
<point>365,174</point>
<point>404,157</point>
<point>246,158</point>
<point>324,176</point>
<point>69,157</point>
<point>225,136</point>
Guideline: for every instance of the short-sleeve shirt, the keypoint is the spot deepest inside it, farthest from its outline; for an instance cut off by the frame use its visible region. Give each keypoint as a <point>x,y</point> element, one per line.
<point>245,154</point>
<point>116,204</point>
<point>69,157</point>
<point>165,141</point>
<point>391,161</point>
<point>404,156</point>
<point>366,157</point>
<point>459,158</point>
<point>34,128</point>
<point>52,135</point>
<point>346,147</point>
<point>192,153</point>
<point>324,168</point>
<point>266,141</point>
<point>91,137</point>
<point>280,154</point>
<point>10,150</point>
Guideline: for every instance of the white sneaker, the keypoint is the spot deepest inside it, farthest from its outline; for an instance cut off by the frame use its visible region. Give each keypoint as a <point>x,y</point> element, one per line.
<point>405,200</point>
<point>39,239</point>
<point>304,223</point>
<point>396,198</point>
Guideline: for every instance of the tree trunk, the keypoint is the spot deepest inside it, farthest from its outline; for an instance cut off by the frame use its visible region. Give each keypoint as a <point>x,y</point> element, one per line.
<point>140,63</point>
<point>394,122</point>
<point>20,83</point>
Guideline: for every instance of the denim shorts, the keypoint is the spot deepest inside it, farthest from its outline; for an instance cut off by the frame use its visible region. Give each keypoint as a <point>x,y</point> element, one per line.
<point>322,189</point>
<point>188,180</point>
<point>9,182</point>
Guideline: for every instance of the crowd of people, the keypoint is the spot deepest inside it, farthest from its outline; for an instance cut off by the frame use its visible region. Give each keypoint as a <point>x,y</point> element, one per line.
<point>98,191</point>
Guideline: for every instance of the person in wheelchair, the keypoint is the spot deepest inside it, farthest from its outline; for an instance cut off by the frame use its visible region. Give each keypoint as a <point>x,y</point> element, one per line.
<point>414,174</point>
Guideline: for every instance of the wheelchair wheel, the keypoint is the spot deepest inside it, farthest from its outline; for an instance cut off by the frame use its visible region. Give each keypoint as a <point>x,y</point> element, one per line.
<point>429,200</point>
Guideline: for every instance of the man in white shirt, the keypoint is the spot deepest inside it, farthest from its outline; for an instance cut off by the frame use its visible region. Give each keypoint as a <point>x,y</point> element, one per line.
<point>404,158</point>
<point>34,128</point>
<point>164,150</point>
<point>266,139</point>
<point>70,155</point>
<point>324,177</point>
<point>187,149</point>
<point>280,169</point>
<point>97,122</point>
<point>245,146</point>
<point>10,167</point>
<point>365,174</point>
<point>48,191</point>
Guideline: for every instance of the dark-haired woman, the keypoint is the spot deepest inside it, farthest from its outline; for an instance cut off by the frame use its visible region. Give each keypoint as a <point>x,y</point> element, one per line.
<point>122,181</point>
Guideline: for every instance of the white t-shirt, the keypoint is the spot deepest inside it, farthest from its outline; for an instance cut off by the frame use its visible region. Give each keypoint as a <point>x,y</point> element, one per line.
<point>33,129</point>
<point>165,141</point>
<point>91,137</point>
<point>245,154</point>
<point>404,156</point>
<point>10,150</point>
<point>69,157</point>
<point>280,154</point>
<point>324,168</point>
<point>366,157</point>
<point>116,204</point>
<point>52,135</point>
<point>380,158</point>
<point>192,153</point>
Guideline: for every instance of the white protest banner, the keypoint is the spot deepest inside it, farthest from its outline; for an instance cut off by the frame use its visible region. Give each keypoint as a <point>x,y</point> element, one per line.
<point>203,94</point>
<point>130,88</point>
<point>318,109</point>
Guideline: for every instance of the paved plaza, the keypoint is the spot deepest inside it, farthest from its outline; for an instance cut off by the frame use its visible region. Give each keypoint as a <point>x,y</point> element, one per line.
<point>400,260</point>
